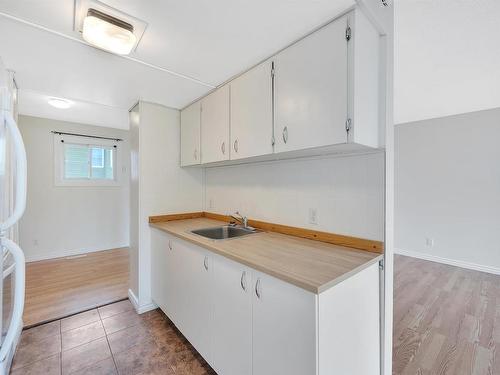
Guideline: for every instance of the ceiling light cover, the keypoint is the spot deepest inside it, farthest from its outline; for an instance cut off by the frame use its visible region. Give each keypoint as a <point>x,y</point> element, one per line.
<point>59,103</point>
<point>108,33</point>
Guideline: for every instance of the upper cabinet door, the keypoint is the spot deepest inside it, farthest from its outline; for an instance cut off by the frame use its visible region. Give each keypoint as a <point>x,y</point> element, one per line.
<point>190,134</point>
<point>311,84</point>
<point>252,113</point>
<point>215,126</point>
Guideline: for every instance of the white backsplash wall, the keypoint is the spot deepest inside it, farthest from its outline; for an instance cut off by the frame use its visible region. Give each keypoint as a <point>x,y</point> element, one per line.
<point>346,192</point>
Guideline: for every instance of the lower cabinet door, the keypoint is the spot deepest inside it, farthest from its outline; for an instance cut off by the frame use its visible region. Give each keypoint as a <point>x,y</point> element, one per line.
<point>284,328</point>
<point>170,275</point>
<point>232,319</point>
<point>159,249</point>
<point>193,281</point>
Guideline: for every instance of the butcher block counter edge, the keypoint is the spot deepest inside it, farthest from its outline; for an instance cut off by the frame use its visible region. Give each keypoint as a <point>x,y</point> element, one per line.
<point>311,265</point>
<point>336,239</point>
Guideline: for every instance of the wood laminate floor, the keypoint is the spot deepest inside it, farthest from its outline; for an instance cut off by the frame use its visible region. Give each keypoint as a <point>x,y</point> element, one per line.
<point>446,320</point>
<point>109,340</point>
<point>59,287</point>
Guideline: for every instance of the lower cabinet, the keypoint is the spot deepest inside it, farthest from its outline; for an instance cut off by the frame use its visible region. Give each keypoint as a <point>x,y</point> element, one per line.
<point>181,285</point>
<point>193,279</point>
<point>245,322</point>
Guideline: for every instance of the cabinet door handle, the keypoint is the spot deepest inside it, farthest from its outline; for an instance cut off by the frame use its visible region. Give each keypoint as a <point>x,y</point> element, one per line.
<point>235,145</point>
<point>205,263</point>
<point>257,288</point>
<point>170,244</point>
<point>285,134</point>
<point>223,148</point>
<point>243,281</point>
<point>195,154</point>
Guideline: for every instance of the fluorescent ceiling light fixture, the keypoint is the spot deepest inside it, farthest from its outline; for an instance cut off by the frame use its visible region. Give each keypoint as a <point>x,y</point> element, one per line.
<point>60,103</point>
<point>108,33</point>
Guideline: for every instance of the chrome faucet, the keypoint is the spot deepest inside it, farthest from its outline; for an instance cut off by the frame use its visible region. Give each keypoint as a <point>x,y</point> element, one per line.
<point>243,220</point>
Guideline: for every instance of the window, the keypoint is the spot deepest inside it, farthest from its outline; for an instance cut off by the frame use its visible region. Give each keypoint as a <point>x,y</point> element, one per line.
<point>81,164</point>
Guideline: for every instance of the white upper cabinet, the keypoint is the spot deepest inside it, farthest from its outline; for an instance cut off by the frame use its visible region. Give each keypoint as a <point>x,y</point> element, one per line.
<point>284,328</point>
<point>190,135</point>
<point>215,126</point>
<point>252,113</point>
<point>364,88</point>
<point>311,85</point>
<point>232,318</point>
<point>325,96</point>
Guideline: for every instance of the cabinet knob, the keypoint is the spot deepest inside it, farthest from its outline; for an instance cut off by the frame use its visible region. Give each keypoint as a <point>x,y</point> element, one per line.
<point>285,134</point>
<point>235,145</point>
<point>195,154</point>
<point>257,288</point>
<point>223,148</point>
<point>243,281</point>
<point>205,263</point>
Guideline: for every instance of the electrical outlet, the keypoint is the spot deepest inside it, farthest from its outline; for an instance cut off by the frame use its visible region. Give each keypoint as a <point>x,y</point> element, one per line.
<point>429,242</point>
<point>313,216</point>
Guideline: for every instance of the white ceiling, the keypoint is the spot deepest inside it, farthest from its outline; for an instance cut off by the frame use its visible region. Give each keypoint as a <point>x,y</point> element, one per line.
<point>189,47</point>
<point>446,53</point>
<point>447,57</point>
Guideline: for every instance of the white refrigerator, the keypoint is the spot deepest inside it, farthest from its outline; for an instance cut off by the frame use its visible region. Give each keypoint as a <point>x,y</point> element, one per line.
<point>12,205</point>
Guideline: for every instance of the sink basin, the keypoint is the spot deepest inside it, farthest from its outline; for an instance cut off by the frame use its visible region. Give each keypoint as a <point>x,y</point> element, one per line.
<point>223,232</point>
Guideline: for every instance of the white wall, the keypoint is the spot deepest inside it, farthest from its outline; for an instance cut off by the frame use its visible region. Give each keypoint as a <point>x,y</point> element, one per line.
<point>162,185</point>
<point>445,63</point>
<point>61,221</point>
<point>347,192</point>
<point>448,189</point>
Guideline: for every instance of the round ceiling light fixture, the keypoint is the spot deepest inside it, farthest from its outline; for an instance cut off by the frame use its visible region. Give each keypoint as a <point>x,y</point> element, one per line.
<point>60,103</point>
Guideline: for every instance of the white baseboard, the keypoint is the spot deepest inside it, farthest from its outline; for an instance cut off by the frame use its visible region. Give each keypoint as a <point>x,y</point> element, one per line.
<point>451,262</point>
<point>140,308</point>
<point>45,255</point>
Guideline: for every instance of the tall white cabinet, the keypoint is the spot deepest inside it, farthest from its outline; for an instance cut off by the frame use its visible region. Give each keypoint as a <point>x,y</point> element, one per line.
<point>155,158</point>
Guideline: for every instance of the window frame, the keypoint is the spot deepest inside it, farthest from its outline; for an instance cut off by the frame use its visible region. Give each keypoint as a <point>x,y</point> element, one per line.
<point>101,148</point>
<point>59,155</point>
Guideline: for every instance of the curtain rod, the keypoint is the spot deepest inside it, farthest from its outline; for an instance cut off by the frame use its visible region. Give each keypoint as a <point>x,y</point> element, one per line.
<point>87,136</point>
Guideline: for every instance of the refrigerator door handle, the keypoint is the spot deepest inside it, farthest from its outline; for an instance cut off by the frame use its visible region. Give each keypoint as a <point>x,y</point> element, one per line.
<point>21,172</point>
<point>17,311</point>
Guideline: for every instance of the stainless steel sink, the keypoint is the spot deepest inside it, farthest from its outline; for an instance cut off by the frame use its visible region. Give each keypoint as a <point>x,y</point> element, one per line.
<point>223,232</point>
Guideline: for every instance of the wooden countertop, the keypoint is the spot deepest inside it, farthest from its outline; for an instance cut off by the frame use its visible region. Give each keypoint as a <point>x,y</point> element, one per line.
<point>312,265</point>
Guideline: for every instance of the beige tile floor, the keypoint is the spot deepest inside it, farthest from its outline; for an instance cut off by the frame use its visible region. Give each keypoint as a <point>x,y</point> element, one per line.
<point>108,340</point>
